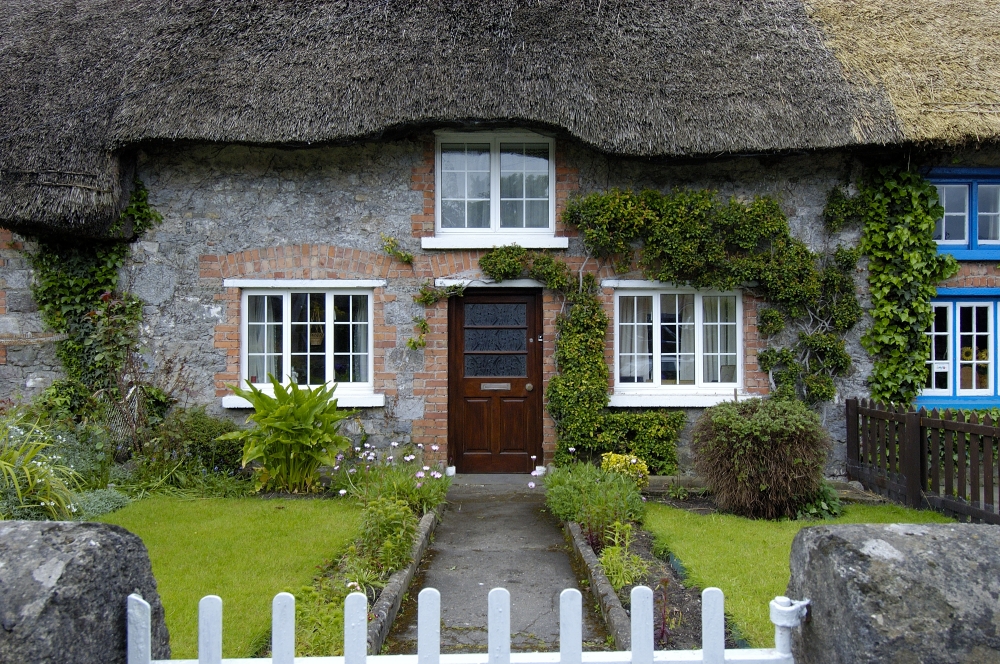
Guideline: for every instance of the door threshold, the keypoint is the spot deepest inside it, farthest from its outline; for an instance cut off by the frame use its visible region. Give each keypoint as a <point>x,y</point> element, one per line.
<point>465,479</point>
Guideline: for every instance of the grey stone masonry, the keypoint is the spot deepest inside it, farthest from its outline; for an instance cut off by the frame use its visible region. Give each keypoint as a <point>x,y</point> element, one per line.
<point>898,593</point>
<point>63,591</point>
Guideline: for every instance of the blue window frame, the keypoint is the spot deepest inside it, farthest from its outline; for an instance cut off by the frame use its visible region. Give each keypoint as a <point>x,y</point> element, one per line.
<point>970,226</point>
<point>963,355</point>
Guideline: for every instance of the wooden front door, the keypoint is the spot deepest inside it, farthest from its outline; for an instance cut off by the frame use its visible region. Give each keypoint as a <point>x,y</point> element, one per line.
<point>495,382</point>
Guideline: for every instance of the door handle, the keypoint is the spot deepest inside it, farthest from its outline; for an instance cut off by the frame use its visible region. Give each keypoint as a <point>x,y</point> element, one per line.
<point>529,387</point>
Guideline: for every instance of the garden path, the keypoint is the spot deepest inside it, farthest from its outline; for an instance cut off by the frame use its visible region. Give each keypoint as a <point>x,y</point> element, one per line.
<point>495,532</point>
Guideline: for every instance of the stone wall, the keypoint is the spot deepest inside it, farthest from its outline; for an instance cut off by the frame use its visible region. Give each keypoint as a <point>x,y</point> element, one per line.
<point>243,206</point>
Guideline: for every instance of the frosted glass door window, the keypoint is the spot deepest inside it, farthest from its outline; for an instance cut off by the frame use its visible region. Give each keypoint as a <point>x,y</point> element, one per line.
<point>989,213</point>
<point>465,185</point>
<point>524,185</point>
<point>635,339</point>
<point>264,335</point>
<point>951,227</point>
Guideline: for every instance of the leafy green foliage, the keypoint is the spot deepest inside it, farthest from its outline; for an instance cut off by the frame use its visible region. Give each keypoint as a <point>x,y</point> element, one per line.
<point>840,210</point>
<point>899,209</point>
<point>391,246</point>
<point>628,465</point>
<point>419,341</point>
<point>387,529</point>
<point>824,505</point>
<point>192,435</point>
<point>550,271</point>
<point>297,432</point>
<point>95,503</point>
<point>594,497</point>
<point>430,295</point>
<point>399,481</point>
<point>650,435</point>
<point>621,566</point>
<point>33,485</point>
<point>610,222</point>
<point>770,321</point>
<point>504,263</point>
<point>762,458</point>
<point>76,287</point>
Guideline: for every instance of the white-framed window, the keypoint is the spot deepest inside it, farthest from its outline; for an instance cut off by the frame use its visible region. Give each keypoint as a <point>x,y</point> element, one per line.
<point>963,353</point>
<point>309,333</point>
<point>969,228</point>
<point>493,189</point>
<point>678,342</point>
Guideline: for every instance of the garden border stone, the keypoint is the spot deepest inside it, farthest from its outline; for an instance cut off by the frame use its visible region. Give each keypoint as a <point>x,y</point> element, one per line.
<point>615,617</point>
<point>387,605</point>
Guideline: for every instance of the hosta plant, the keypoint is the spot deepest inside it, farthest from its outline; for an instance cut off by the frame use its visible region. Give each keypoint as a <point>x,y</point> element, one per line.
<point>297,432</point>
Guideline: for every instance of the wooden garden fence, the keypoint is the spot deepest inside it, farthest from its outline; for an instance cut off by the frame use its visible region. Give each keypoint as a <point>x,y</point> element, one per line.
<point>938,459</point>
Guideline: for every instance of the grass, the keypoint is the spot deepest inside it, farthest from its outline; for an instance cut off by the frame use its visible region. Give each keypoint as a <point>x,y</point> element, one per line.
<point>244,550</point>
<point>748,559</point>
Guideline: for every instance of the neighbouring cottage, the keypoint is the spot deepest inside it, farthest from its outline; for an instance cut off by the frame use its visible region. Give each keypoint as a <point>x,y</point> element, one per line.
<point>284,142</point>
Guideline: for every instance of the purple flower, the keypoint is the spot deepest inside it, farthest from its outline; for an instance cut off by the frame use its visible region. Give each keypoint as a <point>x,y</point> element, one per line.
<point>420,474</point>
<point>534,473</point>
<point>531,485</point>
<point>644,499</point>
<point>436,475</point>
<point>419,484</point>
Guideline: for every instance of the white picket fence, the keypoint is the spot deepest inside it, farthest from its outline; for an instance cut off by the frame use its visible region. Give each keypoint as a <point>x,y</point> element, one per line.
<point>785,614</point>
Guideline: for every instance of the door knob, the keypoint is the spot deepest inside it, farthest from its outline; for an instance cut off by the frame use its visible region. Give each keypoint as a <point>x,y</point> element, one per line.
<point>529,387</point>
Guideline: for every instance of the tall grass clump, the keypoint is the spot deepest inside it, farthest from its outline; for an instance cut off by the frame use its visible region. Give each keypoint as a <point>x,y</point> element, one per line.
<point>596,498</point>
<point>33,483</point>
<point>762,458</point>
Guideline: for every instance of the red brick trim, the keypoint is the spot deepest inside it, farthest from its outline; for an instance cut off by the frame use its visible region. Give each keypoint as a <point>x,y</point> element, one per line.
<point>974,275</point>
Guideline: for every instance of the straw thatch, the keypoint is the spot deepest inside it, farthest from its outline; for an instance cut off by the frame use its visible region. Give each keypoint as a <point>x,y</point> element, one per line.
<point>938,60</point>
<point>83,83</point>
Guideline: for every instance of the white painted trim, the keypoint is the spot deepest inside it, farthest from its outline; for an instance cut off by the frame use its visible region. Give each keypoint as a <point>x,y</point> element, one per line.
<point>343,400</point>
<point>662,400</point>
<point>304,283</point>
<point>493,240</point>
<point>488,283</point>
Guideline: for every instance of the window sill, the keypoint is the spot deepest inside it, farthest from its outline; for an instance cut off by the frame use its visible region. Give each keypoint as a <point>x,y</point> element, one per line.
<point>963,254</point>
<point>679,400</point>
<point>343,401</point>
<point>964,402</point>
<point>492,240</point>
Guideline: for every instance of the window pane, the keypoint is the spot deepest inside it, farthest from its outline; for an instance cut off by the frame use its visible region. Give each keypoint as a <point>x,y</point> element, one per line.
<point>341,339</point>
<point>300,338</point>
<point>989,212</point>
<point>954,200</point>
<point>360,340</point>
<point>359,313</point>
<point>479,185</point>
<point>635,334</point>
<point>686,370</point>
<point>465,179</point>
<point>300,369</point>
<point>452,157</point>
<point>359,369</point>
<point>342,308</point>
<point>479,214</point>
<point>452,185</point>
<point>452,214</point>
<point>342,368</point>
<point>256,309</point>
<point>711,305</point>
<point>317,369</point>
<point>524,185</point>
<point>255,338</point>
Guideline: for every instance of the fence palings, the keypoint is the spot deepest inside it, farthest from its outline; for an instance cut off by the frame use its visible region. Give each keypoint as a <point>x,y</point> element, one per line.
<point>785,614</point>
<point>941,458</point>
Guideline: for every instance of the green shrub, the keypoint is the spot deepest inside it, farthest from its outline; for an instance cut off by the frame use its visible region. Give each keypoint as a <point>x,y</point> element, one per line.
<point>65,399</point>
<point>91,504</point>
<point>594,497</point>
<point>504,263</point>
<point>192,434</point>
<point>620,565</point>
<point>650,435</point>
<point>628,465</point>
<point>297,432</point>
<point>398,481</point>
<point>762,458</point>
<point>387,529</point>
<point>32,484</point>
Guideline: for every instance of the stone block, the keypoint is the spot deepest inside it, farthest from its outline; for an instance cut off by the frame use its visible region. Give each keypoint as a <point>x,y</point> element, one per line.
<point>898,593</point>
<point>63,590</point>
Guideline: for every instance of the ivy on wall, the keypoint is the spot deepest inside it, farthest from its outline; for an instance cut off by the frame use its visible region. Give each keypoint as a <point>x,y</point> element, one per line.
<point>898,209</point>
<point>76,288</point>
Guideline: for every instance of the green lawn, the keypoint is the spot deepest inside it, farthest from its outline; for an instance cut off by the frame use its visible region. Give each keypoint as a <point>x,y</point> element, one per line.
<point>244,550</point>
<point>748,559</point>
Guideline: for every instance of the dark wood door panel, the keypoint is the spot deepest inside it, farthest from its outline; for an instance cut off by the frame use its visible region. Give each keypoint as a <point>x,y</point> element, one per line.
<point>494,381</point>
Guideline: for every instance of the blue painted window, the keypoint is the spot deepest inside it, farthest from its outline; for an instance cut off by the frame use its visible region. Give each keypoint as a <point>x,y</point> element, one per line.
<point>970,226</point>
<point>963,354</point>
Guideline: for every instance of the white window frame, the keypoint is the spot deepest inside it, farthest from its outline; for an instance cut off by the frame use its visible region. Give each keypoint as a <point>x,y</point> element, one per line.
<point>494,236</point>
<point>654,393</point>
<point>955,390</point>
<point>357,394</point>
<point>967,186</point>
<point>949,306</point>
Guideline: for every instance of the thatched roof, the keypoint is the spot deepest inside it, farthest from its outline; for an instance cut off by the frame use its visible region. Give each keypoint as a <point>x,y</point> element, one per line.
<point>84,82</point>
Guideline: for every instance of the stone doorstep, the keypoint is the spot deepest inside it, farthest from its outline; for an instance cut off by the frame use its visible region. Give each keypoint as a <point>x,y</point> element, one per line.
<point>387,605</point>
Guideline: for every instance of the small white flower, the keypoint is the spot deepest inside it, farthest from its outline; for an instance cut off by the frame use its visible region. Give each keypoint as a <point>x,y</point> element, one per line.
<point>389,457</point>
<point>572,449</point>
<point>435,447</point>
<point>394,444</point>
<point>427,467</point>
<point>420,445</point>
<point>343,492</point>
<point>357,449</point>
<point>367,445</point>
<point>534,473</point>
<point>353,470</point>
<point>531,485</point>
<point>533,457</point>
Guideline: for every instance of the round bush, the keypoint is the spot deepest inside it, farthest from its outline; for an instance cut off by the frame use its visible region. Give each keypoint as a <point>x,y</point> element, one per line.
<point>762,458</point>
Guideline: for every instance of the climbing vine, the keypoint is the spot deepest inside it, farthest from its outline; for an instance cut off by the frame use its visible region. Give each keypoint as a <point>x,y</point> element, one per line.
<point>898,209</point>
<point>76,287</point>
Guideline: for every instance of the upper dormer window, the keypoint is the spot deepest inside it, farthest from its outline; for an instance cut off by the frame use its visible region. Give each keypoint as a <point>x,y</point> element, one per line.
<point>970,225</point>
<point>494,189</point>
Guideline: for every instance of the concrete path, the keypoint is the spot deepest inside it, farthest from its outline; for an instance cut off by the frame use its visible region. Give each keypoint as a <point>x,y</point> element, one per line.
<point>496,533</point>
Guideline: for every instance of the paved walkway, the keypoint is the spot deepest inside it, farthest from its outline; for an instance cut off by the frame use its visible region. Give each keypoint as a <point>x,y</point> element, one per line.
<point>496,533</point>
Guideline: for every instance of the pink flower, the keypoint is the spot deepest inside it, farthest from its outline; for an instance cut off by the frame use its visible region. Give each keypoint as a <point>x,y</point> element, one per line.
<point>534,473</point>
<point>436,475</point>
<point>531,485</point>
<point>419,484</point>
<point>420,473</point>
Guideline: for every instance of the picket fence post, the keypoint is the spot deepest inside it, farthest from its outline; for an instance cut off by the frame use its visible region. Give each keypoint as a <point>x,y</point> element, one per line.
<point>429,626</point>
<point>210,630</point>
<point>713,626</point>
<point>283,629</point>
<point>498,618</point>
<point>355,628</point>
<point>570,627</point>
<point>642,625</point>
<point>137,629</point>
